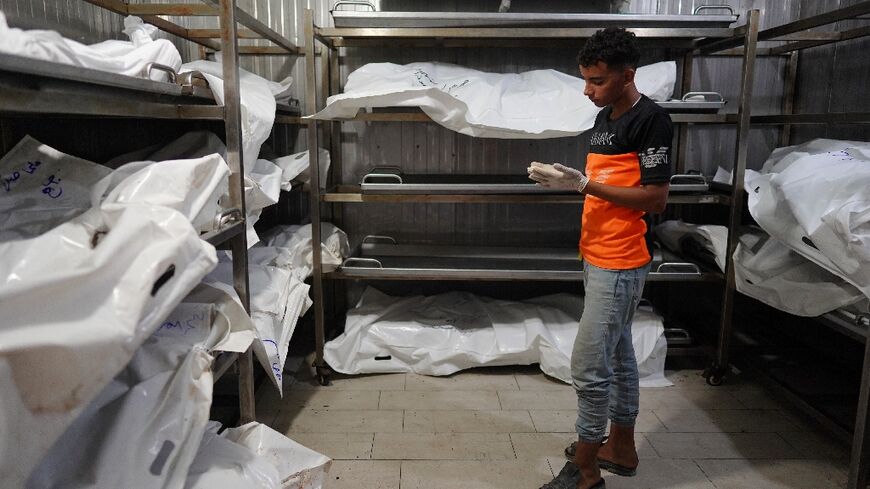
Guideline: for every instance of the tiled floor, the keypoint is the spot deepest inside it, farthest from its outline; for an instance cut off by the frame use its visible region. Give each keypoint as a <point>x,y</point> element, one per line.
<point>506,428</point>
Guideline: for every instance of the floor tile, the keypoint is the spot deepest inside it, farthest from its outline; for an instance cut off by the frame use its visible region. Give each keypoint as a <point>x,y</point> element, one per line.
<point>442,446</point>
<point>563,421</point>
<point>773,474</point>
<point>383,382</point>
<point>439,400</point>
<point>338,446</point>
<point>465,421</point>
<point>537,381</point>
<point>668,398</point>
<point>368,474</point>
<point>362,421</point>
<point>472,380</point>
<point>721,445</point>
<point>663,474</point>
<point>456,474</point>
<point>757,397</point>
<point>725,421</point>
<point>329,399</point>
<point>561,400</point>
<point>549,445</point>
<point>812,444</point>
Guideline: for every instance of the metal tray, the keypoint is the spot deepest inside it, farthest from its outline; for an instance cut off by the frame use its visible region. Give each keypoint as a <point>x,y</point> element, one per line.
<point>695,102</point>
<point>375,19</point>
<point>385,180</point>
<point>391,180</point>
<point>382,257</point>
<point>689,183</point>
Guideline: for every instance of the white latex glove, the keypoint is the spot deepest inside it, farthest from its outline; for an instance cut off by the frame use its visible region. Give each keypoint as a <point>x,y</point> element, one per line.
<point>558,176</point>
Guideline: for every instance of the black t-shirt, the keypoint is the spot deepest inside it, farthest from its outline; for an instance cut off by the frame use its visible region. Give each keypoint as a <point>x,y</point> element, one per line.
<point>645,129</point>
<point>630,151</point>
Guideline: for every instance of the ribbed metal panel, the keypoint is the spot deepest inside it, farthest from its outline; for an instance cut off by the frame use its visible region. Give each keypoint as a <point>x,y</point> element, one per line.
<point>828,80</point>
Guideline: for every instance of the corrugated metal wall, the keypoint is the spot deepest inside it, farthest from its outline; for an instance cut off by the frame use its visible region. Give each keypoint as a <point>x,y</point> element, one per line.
<point>828,81</point>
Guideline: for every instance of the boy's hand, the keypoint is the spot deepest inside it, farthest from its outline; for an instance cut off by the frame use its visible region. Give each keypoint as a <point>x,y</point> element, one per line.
<point>558,176</point>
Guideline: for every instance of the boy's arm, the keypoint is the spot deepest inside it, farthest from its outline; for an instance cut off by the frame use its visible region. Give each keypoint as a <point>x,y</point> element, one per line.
<point>650,198</point>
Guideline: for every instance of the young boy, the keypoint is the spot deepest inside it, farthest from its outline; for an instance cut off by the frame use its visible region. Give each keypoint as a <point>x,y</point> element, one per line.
<point>627,175</point>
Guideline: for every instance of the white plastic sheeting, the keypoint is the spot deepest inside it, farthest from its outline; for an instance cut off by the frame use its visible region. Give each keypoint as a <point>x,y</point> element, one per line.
<point>292,246</point>
<point>195,187</point>
<point>277,300</point>
<point>771,272</point>
<point>815,198</point>
<point>144,428</point>
<point>532,105</point>
<point>121,57</point>
<point>257,98</point>
<point>262,179</point>
<point>446,333</point>
<point>295,168</point>
<point>679,236</point>
<point>42,188</point>
<point>76,303</point>
<point>255,456</point>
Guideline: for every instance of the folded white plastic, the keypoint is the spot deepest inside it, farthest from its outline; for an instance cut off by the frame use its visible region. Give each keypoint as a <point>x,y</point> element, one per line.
<point>295,168</point>
<point>257,98</point>
<point>771,272</point>
<point>121,57</point>
<point>76,303</point>
<point>262,179</point>
<point>815,198</point>
<point>292,248</point>
<point>42,188</point>
<point>532,105</point>
<point>446,333</point>
<point>198,188</point>
<point>277,301</point>
<point>144,428</point>
<point>682,237</point>
<point>255,456</point>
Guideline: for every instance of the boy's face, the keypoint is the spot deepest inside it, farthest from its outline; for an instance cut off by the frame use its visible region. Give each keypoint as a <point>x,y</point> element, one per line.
<point>605,85</point>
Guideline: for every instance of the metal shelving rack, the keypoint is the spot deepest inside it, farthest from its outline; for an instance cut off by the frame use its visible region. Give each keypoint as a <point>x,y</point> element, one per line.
<point>691,41</point>
<point>799,37</point>
<point>32,87</point>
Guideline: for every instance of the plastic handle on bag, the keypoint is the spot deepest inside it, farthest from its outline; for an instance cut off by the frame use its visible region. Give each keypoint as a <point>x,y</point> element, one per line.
<point>161,280</point>
<point>371,261</point>
<point>374,238</point>
<point>351,2</point>
<point>713,7</point>
<point>717,95</point>
<point>663,268</point>
<point>159,67</point>
<point>388,176</point>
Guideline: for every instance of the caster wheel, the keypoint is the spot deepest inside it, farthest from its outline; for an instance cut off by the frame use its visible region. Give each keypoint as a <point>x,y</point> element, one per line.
<point>323,380</point>
<point>715,380</point>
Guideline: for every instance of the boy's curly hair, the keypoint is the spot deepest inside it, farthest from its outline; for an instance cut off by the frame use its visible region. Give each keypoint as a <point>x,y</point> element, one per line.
<point>614,46</point>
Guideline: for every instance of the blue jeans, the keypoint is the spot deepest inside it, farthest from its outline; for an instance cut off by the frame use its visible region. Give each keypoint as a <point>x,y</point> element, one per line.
<point>603,365</point>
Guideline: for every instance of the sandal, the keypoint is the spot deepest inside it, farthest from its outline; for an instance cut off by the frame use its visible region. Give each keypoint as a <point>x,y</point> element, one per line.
<point>569,477</point>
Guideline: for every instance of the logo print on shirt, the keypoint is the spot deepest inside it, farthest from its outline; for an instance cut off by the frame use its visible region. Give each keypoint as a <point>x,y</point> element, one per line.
<point>601,176</point>
<point>654,157</point>
<point>602,139</point>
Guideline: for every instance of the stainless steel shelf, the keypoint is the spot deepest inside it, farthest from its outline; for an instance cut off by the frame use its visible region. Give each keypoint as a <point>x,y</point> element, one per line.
<point>31,86</point>
<point>354,194</point>
<point>380,260</point>
<point>222,364</point>
<point>418,20</point>
<point>399,114</point>
<point>220,236</point>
